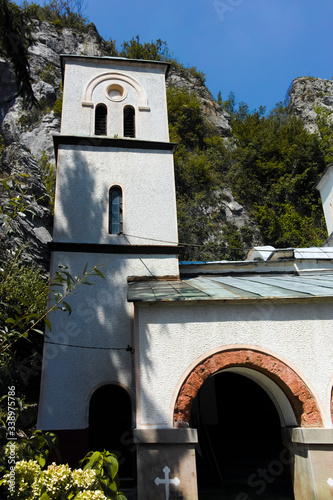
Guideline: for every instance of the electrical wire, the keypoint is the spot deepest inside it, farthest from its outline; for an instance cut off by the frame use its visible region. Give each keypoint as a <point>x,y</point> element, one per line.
<point>128,348</point>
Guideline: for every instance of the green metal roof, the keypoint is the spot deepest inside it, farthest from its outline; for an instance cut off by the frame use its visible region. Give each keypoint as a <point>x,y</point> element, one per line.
<point>231,288</point>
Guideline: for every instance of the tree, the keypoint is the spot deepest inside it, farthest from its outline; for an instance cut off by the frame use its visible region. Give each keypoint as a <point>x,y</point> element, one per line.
<point>15,39</point>
<point>275,166</point>
<point>23,295</point>
<point>134,49</point>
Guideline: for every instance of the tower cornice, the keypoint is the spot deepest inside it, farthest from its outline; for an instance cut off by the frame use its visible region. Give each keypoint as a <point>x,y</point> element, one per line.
<point>111,142</point>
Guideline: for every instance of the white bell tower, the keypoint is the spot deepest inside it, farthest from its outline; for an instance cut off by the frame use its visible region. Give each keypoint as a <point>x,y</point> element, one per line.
<point>115,207</point>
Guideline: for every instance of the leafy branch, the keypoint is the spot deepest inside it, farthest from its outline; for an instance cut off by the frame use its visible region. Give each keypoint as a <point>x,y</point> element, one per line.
<point>25,322</point>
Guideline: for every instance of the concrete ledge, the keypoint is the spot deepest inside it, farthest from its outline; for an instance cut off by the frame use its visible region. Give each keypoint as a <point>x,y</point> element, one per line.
<point>165,436</point>
<point>312,436</point>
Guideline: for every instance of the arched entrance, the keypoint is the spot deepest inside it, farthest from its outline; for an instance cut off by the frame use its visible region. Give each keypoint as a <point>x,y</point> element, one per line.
<point>293,400</point>
<point>110,428</point>
<point>241,455</point>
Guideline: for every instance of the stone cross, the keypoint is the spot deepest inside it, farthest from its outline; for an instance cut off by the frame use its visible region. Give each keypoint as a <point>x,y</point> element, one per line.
<point>167,481</point>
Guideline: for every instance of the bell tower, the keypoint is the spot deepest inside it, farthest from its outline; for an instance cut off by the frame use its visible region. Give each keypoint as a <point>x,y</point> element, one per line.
<point>115,207</point>
<point>114,149</point>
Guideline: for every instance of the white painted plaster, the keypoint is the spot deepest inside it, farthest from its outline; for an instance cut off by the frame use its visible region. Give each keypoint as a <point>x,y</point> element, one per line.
<point>101,317</point>
<point>325,186</point>
<point>173,336</point>
<point>87,83</point>
<point>84,176</point>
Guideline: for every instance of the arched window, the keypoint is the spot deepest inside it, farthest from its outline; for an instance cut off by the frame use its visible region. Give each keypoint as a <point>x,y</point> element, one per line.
<point>100,119</point>
<point>115,210</point>
<point>129,121</point>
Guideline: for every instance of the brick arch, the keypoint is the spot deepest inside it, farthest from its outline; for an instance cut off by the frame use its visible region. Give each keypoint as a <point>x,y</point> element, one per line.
<point>298,393</point>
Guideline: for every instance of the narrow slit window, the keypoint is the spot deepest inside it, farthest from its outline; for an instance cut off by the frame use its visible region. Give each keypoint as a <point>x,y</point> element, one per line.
<point>100,119</point>
<point>129,121</point>
<point>115,210</point>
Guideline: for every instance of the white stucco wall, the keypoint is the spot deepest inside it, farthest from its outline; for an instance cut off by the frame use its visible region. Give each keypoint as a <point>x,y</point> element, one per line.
<point>101,317</point>
<point>84,177</point>
<point>325,186</point>
<point>170,338</point>
<point>143,83</point>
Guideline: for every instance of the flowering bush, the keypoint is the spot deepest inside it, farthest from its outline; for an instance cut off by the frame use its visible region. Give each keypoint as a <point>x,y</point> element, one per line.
<point>22,481</point>
<point>93,495</point>
<point>84,479</point>
<point>27,481</point>
<point>56,481</point>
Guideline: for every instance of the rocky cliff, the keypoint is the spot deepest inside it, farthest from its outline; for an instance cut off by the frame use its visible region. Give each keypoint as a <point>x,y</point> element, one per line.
<point>27,134</point>
<point>308,94</point>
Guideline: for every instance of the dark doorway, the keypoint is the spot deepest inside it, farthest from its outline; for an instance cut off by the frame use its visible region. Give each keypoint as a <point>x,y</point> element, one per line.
<point>110,428</point>
<point>240,454</point>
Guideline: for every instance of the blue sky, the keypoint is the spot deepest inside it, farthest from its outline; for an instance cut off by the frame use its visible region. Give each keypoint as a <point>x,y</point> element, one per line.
<point>254,48</point>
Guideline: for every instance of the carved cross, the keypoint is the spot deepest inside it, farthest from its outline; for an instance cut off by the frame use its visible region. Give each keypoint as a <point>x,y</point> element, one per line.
<point>167,481</point>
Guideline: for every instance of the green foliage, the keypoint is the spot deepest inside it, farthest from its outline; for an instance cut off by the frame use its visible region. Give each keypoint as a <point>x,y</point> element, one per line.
<point>203,230</point>
<point>105,464</point>
<point>57,482</point>
<point>48,171</point>
<point>29,479</point>
<point>324,121</point>
<point>186,122</point>
<point>15,205</point>
<point>23,311</point>
<point>198,75</point>
<point>202,163</point>
<point>15,38</point>
<point>2,144</point>
<point>284,227</point>
<point>31,117</point>
<point>63,14</point>
<point>48,74</point>
<point>112,47</point>
<point>134,49</point>
<point>57,109</point>
<point>275,166</point>
<point>272,165</point>
<point>38,447</point>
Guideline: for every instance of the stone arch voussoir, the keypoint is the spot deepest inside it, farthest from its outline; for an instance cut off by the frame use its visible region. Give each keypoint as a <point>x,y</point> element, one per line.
<point>298,393</point>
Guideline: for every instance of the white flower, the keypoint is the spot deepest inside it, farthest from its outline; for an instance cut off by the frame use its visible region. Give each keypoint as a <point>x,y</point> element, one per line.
<point>84,480</point>
<point>91,495</point>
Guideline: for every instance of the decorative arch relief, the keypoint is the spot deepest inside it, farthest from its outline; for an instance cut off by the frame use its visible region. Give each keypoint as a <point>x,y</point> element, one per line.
<point>302,400</point>
<point>114,91</point>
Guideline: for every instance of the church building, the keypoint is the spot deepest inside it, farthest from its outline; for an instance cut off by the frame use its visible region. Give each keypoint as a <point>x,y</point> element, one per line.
<point>208,380</point>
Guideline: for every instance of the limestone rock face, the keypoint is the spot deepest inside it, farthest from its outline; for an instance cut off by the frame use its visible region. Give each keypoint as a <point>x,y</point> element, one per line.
<point>308,93</point>
<point>217,116</point>
<point>234,212</point>
<point>213,111</point>
<point>28,133</point>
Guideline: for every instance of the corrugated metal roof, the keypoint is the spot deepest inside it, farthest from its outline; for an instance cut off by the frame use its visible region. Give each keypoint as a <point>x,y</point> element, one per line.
<point>231,288</point>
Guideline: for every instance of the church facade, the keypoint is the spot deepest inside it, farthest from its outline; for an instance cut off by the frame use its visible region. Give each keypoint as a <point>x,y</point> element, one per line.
<point>208,380</point>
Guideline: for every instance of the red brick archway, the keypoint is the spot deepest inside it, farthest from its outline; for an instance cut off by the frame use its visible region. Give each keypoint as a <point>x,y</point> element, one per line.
<point>299,395</point>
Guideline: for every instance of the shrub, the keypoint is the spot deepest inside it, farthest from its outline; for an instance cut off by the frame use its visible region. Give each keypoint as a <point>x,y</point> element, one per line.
<point>28,481</point>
